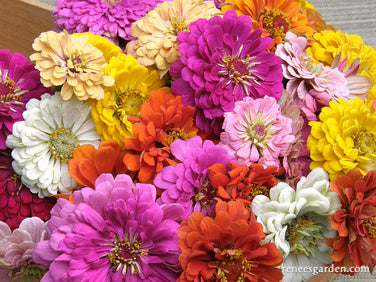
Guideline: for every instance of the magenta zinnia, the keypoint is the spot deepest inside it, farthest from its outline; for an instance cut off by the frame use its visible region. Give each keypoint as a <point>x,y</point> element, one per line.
<point>116,232</point>
<point>222,62</point>
<point>256,131</point>
<point>19,82</point>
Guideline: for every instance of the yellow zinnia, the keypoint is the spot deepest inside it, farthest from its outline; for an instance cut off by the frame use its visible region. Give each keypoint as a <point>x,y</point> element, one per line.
<point>330,43</point>
<point>133,85</point>
<point>344,138</point>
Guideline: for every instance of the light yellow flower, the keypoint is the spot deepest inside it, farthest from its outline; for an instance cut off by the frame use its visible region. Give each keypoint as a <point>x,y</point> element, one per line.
<point>330,43</point>
<point>132,87</point>
<point>69,61</point>
<point>156,33</point>
<point>344,139</point>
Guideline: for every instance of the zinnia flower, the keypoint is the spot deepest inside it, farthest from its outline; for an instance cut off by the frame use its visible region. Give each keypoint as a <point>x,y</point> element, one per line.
<point>44,142</point>
<point>256,131</point>
<point>116,232</point>
<point>187,183</point>
<point>132,87</point>
<point>109,18</point>
<point>16,250</point>
<point>227,248</point>
<point>355,222</point>
<point>328,44</point>
<point>71,62</point>
<point>16,200</point>
<point>19,82</point>
<point>88,163</point>
<point>344,139</point>
<point>297,221</point>
<point>275,17</point>
<point>156,33</point>
<point>163,120</point>
<point>313,86</point>
<point>242,182</point>
<point>223,62</point>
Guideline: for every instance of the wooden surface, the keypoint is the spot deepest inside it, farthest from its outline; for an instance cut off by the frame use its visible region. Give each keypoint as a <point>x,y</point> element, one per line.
<point>21,21</point>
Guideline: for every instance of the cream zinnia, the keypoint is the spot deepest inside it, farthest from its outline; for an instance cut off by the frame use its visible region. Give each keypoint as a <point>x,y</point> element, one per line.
<point>44,142</point>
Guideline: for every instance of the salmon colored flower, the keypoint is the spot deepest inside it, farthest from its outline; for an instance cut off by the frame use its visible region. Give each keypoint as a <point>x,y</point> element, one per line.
<point>89,163</point>
<point>163,120</point>
<point>241,181</point>
<point>275,17</point>
<point>355,222</point>
<point>227,248</point>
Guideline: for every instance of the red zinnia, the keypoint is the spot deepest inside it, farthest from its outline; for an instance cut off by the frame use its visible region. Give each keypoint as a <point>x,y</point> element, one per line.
<point>355,244</point>
<point>227,248</point>
<point>16,200</point>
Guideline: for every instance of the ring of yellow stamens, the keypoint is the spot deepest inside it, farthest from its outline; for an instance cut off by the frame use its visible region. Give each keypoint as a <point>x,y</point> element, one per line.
<point>276,22</point>
<point>62,144</point>
<point>370,225</point>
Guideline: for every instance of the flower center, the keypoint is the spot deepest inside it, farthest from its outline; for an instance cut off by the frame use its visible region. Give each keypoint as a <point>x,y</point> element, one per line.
<point>277,23</point>
<point>239,70</point>
<point>179,134</point>
<point>177,25</point>
<point>27,273</point>
<point>113,2</point>
<point>205,194</point>
<point>302,234</point>
<point>10,93</point>
<point>76,61</point>
<point>126,254</point>
<point>258,190</point>
<point>233,266</point>
<point>128,103</point>
<point>62,144</point>
<point>258,130</point>
<point>370,225</point>
<point>365,143</point>
<point>311,66</point>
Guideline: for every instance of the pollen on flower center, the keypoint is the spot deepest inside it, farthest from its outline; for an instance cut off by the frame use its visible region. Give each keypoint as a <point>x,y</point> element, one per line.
<point>258,130</point>
<point>276,22</point>
<point>302,234</point>
<point>365,142</point>
<point>205,194</point>
<point>233,261</point>
<point>128,103</point>
<point>239,70</point>
<point>76,61</point>
<point>113,2</point>
<point>178,133</point>
<point>177,25</point>
<point>126,255</point>
<point>370,225</point>
<point>259,190</point>
<point>9,92</point>
<point>62,144</point>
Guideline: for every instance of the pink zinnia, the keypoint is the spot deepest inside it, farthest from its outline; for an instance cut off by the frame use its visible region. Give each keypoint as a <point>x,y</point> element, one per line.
<point>16,200</point>
<point>222,62</point>
<point>116,232</point>
<point>19,82</point>
<point>256,131</point>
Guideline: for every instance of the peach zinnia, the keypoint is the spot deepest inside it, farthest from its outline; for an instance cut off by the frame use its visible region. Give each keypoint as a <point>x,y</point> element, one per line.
<point>227,248</point>
<point>275,17</point>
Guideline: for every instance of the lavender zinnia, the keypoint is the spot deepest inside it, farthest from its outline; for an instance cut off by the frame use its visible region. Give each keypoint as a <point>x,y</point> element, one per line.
<point>187,183</point>
<point>222,62</point>
<point>116,232</point>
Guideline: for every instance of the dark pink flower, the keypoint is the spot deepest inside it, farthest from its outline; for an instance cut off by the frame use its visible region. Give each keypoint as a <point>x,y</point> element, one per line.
<point>19,82</point>
<point>222,62</point>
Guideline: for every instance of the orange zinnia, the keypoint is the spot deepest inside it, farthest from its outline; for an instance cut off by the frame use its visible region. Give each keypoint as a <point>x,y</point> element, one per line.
<point>227,248</point>
<point>163,120</point>
<point>88,163</point>
<point>275,17</point>
<point>355,244</point>
<point>242,182</point>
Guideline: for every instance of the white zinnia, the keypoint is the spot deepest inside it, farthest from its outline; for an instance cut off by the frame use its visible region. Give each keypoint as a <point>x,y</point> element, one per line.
<point>307,207</point>
<point>44,142</point>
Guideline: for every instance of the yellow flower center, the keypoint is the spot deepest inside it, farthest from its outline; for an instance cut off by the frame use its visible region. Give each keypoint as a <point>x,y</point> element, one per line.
<point>233,266</point>
<point>177,25</point>
<point>277,23</point>
<point>113,2</point>
<point>62,144</point>
<point>9,92</point>
<point>76,61</point>
<point>126,255</point>
<point>311,66</point>
<point>259,130</point>
<point>370,225</point>
<point>303,234</point>
<point>179,134</point>
<point>258,190</point>
<point>365,142</point>
<point>128,103</point>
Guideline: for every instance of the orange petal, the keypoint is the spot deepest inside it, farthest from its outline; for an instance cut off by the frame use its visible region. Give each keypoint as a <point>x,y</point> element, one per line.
<point>75,172</point>
<point>105,159</point>
<point>86,151</point>
<point>132,162</point>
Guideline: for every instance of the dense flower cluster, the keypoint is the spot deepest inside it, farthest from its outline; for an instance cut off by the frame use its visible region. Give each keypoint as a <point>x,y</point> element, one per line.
<point>187,140</point>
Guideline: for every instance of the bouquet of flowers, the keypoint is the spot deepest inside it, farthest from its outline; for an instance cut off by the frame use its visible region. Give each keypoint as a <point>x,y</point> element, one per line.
<point>187,140</point>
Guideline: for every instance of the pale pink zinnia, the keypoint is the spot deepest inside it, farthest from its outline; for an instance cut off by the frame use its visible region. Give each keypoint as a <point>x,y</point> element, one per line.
<point>16,250</point>
<point>314,86</point>
<point>256,131</point>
